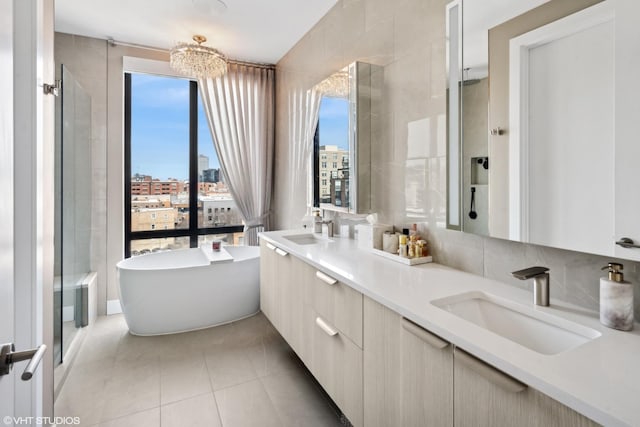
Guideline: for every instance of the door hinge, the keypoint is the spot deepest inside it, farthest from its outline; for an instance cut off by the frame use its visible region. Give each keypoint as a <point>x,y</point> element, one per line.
<point>53,89</point>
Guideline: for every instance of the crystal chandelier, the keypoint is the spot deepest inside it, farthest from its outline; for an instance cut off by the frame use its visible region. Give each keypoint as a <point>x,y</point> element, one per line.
<point>197,60</point>
<point>336,85</point>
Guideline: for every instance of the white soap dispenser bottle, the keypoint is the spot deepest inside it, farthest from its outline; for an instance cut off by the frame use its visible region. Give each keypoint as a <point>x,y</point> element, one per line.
<point>616,299</point>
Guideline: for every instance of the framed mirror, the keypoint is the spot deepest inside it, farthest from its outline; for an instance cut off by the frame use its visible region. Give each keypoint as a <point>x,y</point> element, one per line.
<point>546,134</point>
<point>350,98</point>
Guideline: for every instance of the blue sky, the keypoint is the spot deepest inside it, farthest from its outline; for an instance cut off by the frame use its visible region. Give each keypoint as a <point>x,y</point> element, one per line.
<point>334,122</point>
<point>160,127</point>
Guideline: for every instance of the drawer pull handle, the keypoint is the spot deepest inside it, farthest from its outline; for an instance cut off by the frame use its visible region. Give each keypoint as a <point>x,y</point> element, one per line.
<point>325,327</point>
<point>326,279</point>
<point>281,252</point>
<point>490,373</point>
<point>423,334</point>
<point>270,246</point>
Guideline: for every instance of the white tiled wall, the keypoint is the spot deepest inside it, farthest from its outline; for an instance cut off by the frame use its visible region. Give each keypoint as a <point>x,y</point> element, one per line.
<point>408,38</point>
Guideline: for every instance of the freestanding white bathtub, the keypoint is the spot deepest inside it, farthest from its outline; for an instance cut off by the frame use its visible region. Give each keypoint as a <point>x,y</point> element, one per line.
<point>183,290</point>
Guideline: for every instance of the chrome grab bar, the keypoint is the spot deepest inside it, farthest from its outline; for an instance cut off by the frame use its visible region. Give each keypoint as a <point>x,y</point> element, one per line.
<point>8,356</point>
<point>628,243</point>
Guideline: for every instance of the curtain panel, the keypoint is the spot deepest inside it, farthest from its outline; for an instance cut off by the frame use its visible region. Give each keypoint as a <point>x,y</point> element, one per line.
<point>240,110</point>
<point>304,106</point>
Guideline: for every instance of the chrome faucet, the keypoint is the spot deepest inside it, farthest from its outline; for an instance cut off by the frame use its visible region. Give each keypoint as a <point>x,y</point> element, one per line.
<point>540,278</point>
<point>329,223</point>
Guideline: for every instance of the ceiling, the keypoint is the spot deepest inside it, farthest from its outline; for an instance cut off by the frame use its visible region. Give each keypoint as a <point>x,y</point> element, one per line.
<point>247,30</point>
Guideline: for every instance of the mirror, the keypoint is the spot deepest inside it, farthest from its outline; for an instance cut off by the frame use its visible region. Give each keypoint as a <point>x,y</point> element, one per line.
<point>350,98</point>
<point>546,130</point>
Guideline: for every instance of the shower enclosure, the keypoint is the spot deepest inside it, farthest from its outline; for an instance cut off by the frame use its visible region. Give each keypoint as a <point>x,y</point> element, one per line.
<point>73,211</point>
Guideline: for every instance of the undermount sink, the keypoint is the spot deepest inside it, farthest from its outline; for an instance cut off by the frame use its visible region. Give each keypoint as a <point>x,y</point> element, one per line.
<point>306,239</point>
<point>538,331</point>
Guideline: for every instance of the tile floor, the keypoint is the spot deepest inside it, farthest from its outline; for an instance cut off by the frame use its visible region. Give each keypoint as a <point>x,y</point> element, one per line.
<point>241,374</point>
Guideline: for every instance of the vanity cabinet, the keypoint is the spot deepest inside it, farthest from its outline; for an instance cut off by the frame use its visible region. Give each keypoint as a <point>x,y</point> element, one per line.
<point>485,396</point>
<point>336,362</point>
<point>337,303</point>
<point>332,326</point>
<point>380,368</point>
<point>281,293</point>
<point>408,372</point>
<point>321,319</point>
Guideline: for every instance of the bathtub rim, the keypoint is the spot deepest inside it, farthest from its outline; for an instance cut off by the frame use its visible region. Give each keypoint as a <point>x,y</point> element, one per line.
<point>206,262</point>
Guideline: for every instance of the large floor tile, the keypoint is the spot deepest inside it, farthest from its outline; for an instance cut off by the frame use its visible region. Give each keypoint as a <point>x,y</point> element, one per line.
<point>183,376</point>
<point>132,348</point>
<point>124,380</point>
<point>228,366</point>
<point>149,418</point>
<point>252,329</point>
<point>133,387</point>
<point>83,392</point>
<point>299,401</point>
<point>246,405</point>
<point>100,345</point>
<point>199,411</point>
<point>271,354</point>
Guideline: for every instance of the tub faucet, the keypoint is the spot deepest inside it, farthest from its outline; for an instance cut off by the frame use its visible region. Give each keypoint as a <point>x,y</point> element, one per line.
<point>540,278</point>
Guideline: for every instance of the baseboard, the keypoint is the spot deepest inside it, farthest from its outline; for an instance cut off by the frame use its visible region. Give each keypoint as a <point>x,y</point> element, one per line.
<point>114,307</point>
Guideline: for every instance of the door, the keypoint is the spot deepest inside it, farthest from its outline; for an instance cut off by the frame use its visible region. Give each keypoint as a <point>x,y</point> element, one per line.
<point>26,214</point>
<point>6,208</point>
<point>562,139</point>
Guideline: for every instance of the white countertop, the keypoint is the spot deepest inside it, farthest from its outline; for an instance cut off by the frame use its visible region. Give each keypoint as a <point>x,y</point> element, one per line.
<point>600,379</point>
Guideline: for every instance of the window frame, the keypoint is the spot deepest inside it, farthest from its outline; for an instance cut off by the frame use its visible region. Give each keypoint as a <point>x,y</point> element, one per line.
<point>193,232</point>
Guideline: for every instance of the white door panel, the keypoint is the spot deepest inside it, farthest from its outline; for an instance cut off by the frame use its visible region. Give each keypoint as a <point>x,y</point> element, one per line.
<point>6,207</point>
<point>26,221</point>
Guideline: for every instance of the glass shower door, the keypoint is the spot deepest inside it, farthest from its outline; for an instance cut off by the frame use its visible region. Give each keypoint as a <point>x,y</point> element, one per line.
<point>73,209</point>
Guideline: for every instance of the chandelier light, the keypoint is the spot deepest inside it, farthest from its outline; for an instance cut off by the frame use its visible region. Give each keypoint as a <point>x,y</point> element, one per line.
<point>194,59</point>
<point>336,85</point>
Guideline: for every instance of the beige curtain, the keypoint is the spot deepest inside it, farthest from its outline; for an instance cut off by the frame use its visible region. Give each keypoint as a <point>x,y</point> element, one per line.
<point>240,111</point>
<point>303,113</point>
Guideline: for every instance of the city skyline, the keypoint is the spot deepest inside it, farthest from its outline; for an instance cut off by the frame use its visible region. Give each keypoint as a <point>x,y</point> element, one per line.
<point>160,127</point>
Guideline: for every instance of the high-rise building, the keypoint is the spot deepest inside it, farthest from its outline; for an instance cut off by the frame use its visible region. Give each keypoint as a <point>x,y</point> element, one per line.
<point>333,164</point>
<point>211,175</point>
<point>203,164</point>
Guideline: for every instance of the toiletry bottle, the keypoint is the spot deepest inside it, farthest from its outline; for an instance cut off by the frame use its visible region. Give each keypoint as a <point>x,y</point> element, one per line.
<point>616,299</point>
<point>317,222</point>
<point>402,245</point>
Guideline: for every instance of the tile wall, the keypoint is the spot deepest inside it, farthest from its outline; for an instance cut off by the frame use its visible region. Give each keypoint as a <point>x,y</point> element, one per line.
<point>407,37</point>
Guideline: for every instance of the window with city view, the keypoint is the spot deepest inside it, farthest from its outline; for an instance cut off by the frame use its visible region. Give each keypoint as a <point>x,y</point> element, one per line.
<point>331,153</point>
<point>172,170</point>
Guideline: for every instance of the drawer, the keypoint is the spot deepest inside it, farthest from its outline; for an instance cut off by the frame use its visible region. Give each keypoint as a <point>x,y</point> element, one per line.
<point>336,302</point>
<point>336,362</point>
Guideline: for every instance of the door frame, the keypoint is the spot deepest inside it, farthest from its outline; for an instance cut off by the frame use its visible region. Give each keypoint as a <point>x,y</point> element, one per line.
<point>31,113</point>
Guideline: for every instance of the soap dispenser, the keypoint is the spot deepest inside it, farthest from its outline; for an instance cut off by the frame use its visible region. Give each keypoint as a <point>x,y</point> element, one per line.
<point>317,222</point>
<point>616,299</point>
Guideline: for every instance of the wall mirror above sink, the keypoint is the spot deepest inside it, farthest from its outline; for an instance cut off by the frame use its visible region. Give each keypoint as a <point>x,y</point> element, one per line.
<point>543,132</point>
<point>349,104</point>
